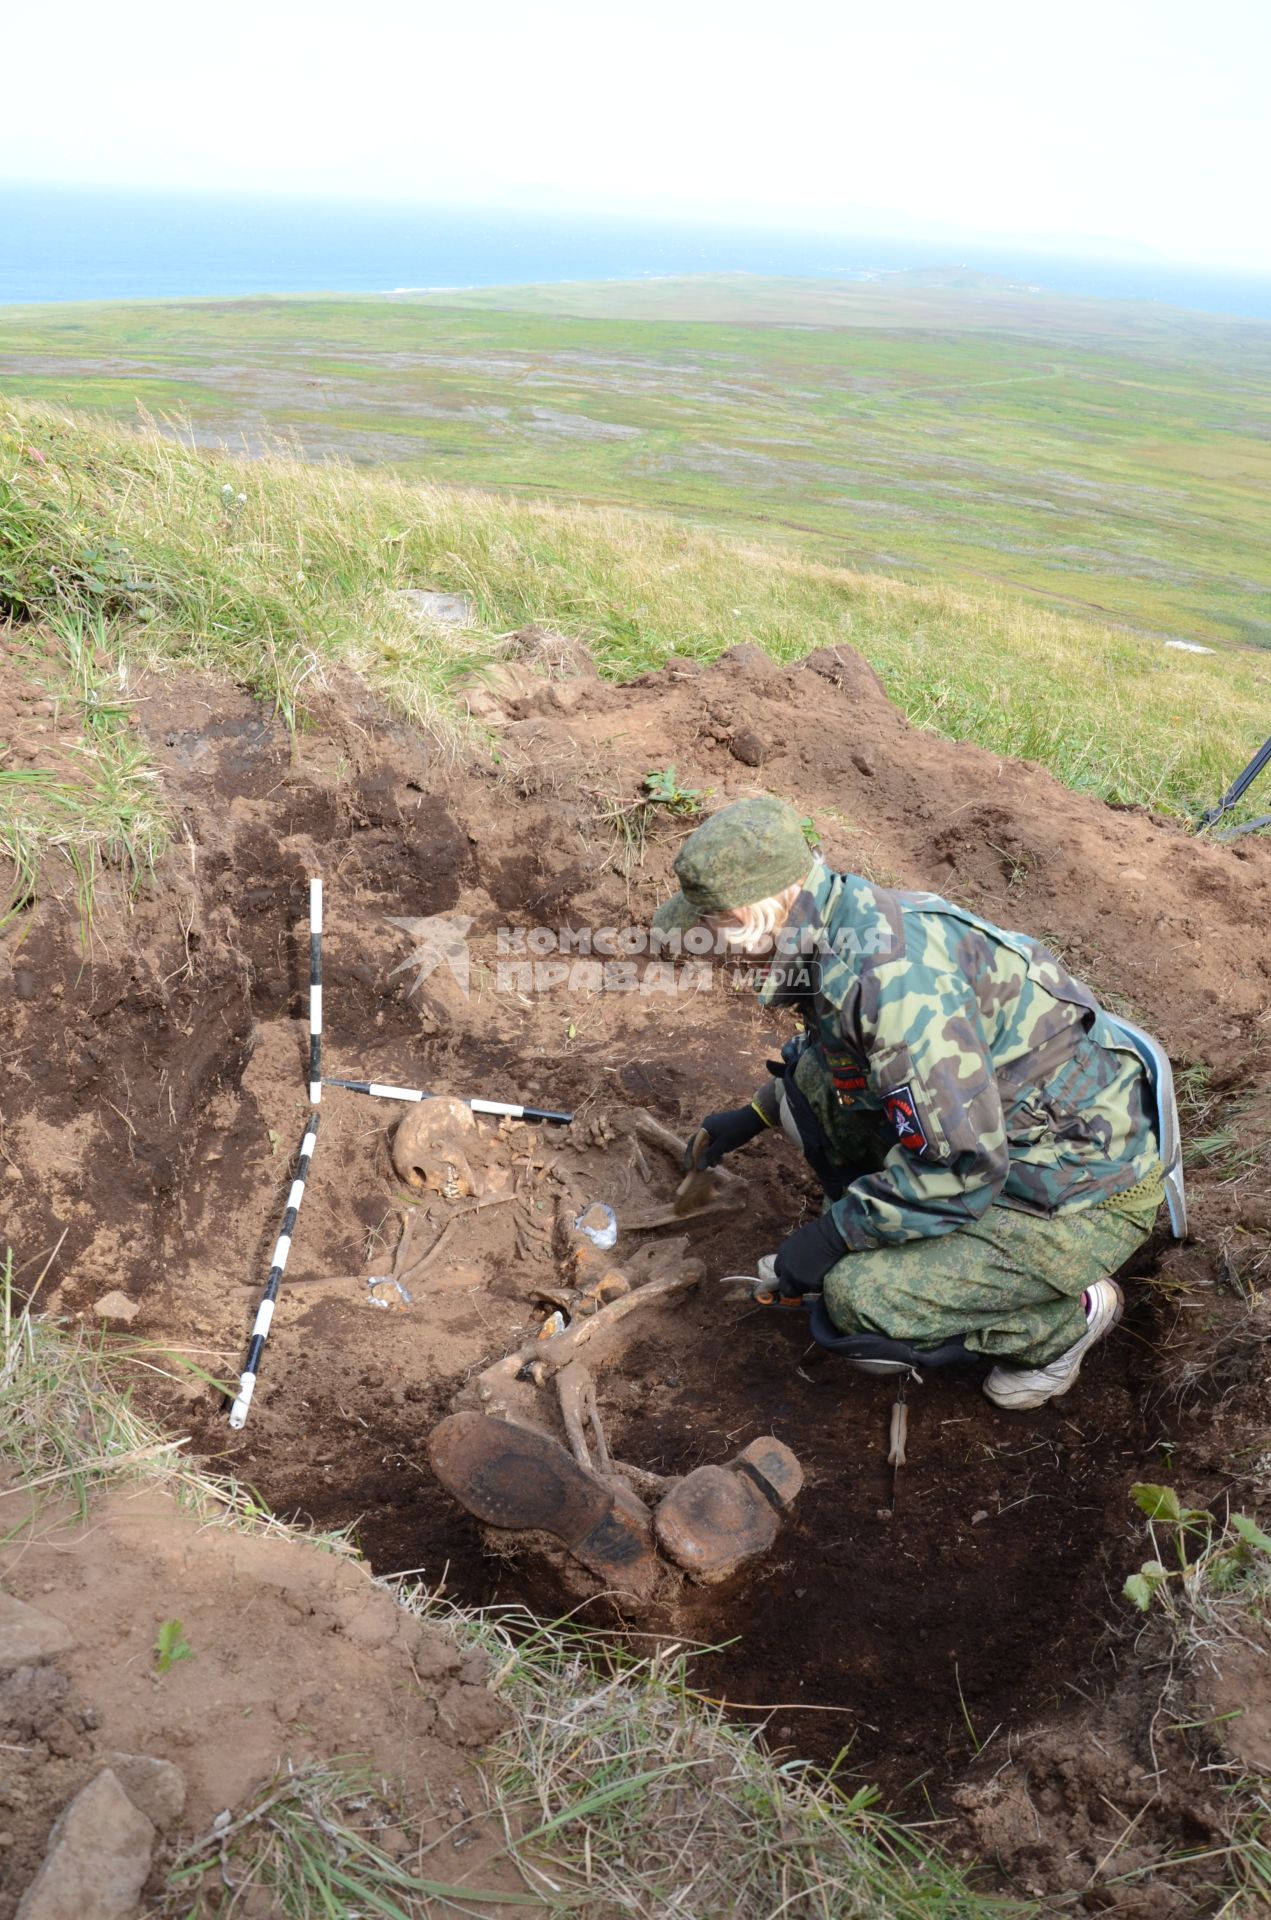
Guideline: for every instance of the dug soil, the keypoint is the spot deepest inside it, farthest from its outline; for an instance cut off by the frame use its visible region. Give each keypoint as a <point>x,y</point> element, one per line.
<point>284,1650</point>
<point>968,1649</point>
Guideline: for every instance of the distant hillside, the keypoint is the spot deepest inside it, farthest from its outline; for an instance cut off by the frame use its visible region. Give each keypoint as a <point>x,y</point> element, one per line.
<point>1108,458</point>
<point>275,570</point>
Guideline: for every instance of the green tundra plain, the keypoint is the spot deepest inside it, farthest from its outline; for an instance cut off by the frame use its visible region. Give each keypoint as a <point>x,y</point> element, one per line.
<point>1106,459</point>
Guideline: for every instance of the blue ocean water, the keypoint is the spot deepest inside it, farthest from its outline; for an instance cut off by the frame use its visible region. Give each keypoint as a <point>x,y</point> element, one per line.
<point>74,244</point>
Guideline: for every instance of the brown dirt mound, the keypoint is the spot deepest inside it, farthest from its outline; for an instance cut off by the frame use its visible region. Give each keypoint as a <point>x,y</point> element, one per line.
<point>293,1652</point>
<point>157,1090</point>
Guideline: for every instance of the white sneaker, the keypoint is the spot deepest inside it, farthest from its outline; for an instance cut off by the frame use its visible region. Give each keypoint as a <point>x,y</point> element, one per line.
<point>1021,1387</point>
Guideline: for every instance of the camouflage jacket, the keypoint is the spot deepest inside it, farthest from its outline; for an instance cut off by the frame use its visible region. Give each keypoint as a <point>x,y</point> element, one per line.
<point>997,1074</point>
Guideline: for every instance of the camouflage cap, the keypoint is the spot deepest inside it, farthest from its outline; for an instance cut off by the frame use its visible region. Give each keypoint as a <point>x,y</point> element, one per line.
<point>741,854</point>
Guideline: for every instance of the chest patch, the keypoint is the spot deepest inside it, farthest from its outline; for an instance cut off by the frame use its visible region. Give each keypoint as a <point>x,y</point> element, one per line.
<point>899,1107</point>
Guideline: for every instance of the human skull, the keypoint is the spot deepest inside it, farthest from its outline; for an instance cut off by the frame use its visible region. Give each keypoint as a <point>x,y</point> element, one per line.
<point>431,1148</point>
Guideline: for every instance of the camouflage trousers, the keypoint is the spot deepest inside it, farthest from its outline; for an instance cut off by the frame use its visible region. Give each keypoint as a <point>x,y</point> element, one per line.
<point>1010,1285</point>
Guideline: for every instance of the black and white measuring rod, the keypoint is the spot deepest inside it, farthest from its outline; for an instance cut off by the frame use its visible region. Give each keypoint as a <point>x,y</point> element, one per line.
<point>265,1311</point>
<point>315,992</point>
<point>503,1107</point>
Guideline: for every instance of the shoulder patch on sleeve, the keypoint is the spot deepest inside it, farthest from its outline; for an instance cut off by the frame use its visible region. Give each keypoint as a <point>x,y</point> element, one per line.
<point>901,1110</point>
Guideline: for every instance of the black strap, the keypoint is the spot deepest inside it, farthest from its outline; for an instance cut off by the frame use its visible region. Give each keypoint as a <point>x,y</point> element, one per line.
<point>817,1150</point>
<point>1260,759</point>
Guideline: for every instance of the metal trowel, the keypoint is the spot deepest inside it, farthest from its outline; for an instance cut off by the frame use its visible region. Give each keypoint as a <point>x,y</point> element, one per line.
<point>700,1184</point>
<point>703,1190</point>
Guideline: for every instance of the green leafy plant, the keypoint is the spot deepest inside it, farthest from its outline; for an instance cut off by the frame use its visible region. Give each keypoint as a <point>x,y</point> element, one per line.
<point>633,820</point>
<point>1224,1557</point>
<point>664,790</point>
<point>170,1645</point>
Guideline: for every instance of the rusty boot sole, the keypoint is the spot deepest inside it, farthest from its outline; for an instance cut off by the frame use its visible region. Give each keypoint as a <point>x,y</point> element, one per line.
<point>519,1478</point>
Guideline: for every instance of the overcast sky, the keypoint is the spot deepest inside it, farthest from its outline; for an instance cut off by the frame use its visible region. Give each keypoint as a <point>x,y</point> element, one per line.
<point>1138,124</point>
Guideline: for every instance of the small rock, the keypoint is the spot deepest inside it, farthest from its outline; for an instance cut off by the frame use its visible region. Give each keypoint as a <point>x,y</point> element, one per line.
<point>443,609</point>
<point>863,765</point>
<point>976,1518</point>
<point>28,1637</point>
<point>116,1306</point>
<point>153,1785</point>
<point>97,1861</point>
<point>747,747</point>
<point>747,658</point>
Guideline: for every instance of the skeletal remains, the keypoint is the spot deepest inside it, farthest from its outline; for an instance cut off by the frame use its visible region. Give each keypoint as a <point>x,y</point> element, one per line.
<point>623,1529</point>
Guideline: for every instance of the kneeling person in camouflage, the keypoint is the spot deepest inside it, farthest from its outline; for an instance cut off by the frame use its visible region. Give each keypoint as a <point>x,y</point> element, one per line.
<point>983,1131</point>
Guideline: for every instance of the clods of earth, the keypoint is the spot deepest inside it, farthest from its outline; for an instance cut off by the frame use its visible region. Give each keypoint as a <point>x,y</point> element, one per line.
<point>968,1650</point>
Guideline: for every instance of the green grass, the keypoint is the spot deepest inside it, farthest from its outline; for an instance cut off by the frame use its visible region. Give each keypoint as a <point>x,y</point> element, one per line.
<point>101,807</point>
<point>1094,455</point>
<point>670,1809</point>
<point>310,1844</point>
<point>271,569</point>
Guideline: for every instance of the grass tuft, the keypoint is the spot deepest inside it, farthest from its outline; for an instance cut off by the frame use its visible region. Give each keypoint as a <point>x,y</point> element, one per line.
<point>309,1845</point>
<point>635,1797</point>
<point>101,808</point>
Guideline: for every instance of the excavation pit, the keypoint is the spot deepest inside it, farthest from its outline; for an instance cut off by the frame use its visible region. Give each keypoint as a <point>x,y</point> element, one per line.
<point>157,1089</point>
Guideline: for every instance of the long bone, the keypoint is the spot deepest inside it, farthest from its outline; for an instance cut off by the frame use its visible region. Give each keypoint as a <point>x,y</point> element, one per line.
<point>543,1359</point>
<point>576,1392</point>
<point>647,1128</point>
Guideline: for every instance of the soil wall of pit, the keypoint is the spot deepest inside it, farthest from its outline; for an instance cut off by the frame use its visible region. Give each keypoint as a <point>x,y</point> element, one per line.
<point>155,1091</point>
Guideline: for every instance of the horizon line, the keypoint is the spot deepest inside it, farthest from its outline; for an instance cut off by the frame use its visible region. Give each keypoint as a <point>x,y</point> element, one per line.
<point>810,222</point>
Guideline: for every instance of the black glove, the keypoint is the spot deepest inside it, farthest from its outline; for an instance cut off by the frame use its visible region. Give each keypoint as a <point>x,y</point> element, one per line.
<point>723,1133</point>
<point>804,1258</point>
